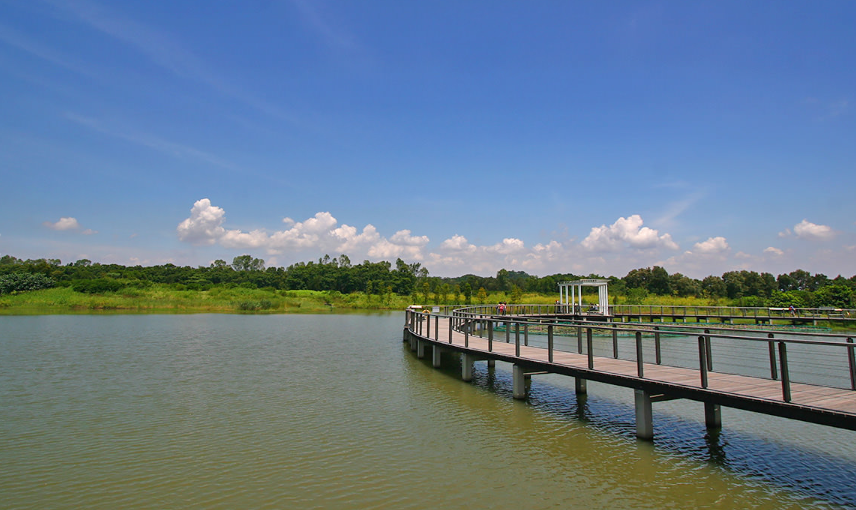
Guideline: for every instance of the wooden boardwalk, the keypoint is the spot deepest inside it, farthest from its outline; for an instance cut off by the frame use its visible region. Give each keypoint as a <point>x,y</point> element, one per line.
<point>812,403</point>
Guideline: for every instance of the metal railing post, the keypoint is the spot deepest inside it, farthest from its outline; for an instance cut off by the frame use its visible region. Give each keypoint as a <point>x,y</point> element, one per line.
<point>639,366</point>
<point>709,354</point>
<point>774,371</point>
<point>702,362</point>
<point>657,354</point>
<point>786,380</point>
<point>489,335</point>
<point>550,343</point>
<point>615,342</point>
<point>589,349</point>
<point>851,360</point>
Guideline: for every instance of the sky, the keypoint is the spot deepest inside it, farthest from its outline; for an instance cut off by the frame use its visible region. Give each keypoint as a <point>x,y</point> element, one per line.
<point>469,136</point>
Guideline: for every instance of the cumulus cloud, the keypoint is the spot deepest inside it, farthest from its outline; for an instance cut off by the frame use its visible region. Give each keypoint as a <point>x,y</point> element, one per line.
<point>774,251</point>
<point>713,246</point>
<point>69,223</point>
<point>812,232</point>
<point>204,226</point>
<point>626,232</point>
<point>608,249</point>
<point>322,232</point>
<point>63,224</point>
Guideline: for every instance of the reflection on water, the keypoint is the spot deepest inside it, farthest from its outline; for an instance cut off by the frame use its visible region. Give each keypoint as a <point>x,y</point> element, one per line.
<point>333,411</point>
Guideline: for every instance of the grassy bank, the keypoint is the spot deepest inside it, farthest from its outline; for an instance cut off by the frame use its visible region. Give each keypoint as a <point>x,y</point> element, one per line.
<point>164,299</point>
<point>226,299</point>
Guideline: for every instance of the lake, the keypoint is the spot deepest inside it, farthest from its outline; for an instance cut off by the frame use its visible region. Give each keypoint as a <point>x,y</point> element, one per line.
<point>334,411</point>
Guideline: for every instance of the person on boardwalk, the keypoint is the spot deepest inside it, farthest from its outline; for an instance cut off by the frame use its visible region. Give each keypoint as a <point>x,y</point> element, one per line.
<point>792,310</point>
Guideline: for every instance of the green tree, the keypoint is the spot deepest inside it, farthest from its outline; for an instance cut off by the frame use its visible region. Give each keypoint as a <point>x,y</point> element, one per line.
<point>516,294</point>
<point>467,290</point>
<point>502,280</point>
<point>713,287</point>
<point>247,263</point>
<point>837,295</point>
<point>426,290</point>
<point>659,282</point>
<point>482,295</point>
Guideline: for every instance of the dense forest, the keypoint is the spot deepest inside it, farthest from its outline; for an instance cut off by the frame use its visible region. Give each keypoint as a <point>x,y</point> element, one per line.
<point>745,288</point>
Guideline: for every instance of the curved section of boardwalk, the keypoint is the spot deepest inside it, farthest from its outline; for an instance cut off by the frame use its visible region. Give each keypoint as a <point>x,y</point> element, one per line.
<point>652,381</point>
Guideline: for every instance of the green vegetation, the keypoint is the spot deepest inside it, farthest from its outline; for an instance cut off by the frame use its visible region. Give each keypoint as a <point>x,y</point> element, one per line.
<point>335,284</point>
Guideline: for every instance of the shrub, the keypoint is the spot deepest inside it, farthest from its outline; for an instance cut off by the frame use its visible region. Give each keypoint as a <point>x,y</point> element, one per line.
<point>248,306</point>
<point>22,282</point>
<point>97,286</point>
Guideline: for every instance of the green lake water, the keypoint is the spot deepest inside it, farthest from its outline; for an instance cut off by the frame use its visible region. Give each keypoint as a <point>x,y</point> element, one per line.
<point>335,412</point>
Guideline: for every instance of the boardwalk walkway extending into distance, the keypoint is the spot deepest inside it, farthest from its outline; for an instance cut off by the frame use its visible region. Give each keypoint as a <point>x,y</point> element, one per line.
<point>809,377</point>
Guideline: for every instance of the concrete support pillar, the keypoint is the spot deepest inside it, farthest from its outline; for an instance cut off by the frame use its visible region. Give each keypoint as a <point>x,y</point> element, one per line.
<point>712,415</point>
<point>467,361</point>
<point>644,418</point>
<point>420,349</point>
<point>491,363</point>
<point>518,383</point>
<point>435,356</point>
<point>412,343</point>
<point>580,385</point>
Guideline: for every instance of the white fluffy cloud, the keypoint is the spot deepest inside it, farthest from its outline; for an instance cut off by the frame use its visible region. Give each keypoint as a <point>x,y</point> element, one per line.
<point>607,250</point>
<point>713,246</point>
<point>204,225</point>
<point>812,232</point>
<point>321,232</point>
<point>69,223</point>
<point>626,232</point>
<point>63,224</point>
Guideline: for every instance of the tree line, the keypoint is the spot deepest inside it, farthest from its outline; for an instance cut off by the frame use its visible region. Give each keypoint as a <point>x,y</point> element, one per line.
<point>746,288</point>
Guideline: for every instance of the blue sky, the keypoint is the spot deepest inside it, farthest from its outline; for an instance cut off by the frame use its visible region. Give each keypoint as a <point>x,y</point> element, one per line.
<point>584,137</point>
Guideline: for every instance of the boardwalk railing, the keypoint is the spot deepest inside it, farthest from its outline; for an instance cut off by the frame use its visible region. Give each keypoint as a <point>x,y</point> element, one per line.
<point>815,373</point>
<point>674,312</point>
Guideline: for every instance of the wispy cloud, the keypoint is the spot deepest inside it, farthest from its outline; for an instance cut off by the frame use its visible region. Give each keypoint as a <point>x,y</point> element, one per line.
<point>153,142</point>
<point>165,51</point>
<point>334,38</point>
<point>15,38</point>
<point>676,208</point>
<point>829,109</point>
